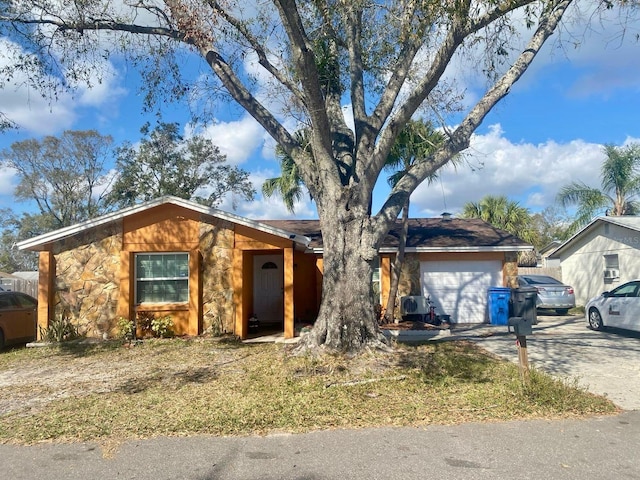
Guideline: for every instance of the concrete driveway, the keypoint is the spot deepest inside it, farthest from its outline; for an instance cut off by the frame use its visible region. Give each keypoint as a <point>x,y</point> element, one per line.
<point>606,363</point>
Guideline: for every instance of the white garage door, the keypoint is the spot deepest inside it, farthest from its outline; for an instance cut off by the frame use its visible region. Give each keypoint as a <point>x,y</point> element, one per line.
<point>459,289</point>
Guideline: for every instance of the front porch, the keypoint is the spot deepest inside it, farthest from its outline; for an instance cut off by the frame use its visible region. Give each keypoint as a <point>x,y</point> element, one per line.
<point>275,283</point>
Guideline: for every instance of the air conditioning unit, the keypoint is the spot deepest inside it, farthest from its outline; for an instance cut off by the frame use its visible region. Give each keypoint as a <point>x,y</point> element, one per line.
<point>611,273</point>
<point>414,305</point>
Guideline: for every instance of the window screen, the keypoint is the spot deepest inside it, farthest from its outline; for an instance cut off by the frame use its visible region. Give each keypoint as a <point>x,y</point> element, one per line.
<point>611,261</point>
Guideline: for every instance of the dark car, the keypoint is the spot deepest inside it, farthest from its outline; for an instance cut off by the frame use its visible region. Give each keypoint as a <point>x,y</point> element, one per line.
<point>18,317</point>
<point>552,293</point>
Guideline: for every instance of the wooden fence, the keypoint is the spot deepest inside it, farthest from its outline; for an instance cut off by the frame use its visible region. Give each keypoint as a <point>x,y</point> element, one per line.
<point>554,272</point>
<point>30,287</point>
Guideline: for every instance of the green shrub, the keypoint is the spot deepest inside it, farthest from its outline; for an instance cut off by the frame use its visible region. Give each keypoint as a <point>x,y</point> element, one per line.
<point>162,326</point>
<point>143,323</point>
<point>59,330</point>
<point>126,329</point>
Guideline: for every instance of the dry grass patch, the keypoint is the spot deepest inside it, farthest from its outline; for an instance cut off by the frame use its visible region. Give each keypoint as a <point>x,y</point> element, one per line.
<point>106,392</point>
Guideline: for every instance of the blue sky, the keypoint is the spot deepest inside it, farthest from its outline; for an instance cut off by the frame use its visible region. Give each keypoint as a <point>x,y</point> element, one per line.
<point>547,132</point>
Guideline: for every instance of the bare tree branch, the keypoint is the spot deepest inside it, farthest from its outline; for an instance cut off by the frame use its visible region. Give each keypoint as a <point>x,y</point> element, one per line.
<point>459,140</point>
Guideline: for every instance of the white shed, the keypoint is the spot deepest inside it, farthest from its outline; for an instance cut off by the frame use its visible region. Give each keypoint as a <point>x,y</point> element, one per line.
<point>601,256</point>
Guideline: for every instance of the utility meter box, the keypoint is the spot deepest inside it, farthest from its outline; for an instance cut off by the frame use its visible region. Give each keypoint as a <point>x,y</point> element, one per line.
<point>521,326</point>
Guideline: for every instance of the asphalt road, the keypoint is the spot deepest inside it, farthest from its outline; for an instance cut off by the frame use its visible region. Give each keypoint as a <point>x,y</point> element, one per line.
<point>606,363</point>
<point>598,448</point>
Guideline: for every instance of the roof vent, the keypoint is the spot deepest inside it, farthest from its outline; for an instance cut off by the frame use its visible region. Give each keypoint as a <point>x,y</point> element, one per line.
<point>446,216</point>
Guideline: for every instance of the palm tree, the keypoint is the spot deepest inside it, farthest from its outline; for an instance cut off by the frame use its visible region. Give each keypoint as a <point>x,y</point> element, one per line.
<point>506,215</point>
<point>502,213</point>
<point>620,185</point>
<point>416,141</point>
<point>289,184</point>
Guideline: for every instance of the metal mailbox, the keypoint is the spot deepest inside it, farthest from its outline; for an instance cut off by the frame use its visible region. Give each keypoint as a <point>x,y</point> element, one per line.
<point>521,326</point>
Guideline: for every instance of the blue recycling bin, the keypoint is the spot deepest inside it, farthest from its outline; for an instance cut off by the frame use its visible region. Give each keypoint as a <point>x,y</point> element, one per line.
<point>498,305</point>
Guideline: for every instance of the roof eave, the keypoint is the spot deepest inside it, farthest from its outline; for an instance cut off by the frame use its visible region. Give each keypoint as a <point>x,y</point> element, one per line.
<point>555,253</point>
<point>66,232</point>
<point>475,249</point>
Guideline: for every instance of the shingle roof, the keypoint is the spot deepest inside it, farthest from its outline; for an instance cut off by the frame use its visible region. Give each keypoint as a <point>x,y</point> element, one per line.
<point>425,234</point>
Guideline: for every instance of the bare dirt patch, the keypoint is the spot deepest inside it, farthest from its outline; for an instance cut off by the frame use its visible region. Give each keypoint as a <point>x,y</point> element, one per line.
<point>35,379</point>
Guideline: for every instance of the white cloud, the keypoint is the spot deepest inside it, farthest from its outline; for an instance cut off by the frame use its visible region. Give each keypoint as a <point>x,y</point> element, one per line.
<point>595,48</point>
<point>347,112</point>
<point>524,172</point>
<point>27,107</point>
<point>238,140</point>
<point>30,111</point>
<point>41,113</point>
<point>7,176</point>
<point>105,90</point>
<point>273,209</point>
<point>269,208</point>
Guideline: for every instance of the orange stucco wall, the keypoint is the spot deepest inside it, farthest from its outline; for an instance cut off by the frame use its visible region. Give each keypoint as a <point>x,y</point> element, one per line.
<point>249,239</point>
<point>385,277</point>
<point>242,290</point>
<point>47,274</point>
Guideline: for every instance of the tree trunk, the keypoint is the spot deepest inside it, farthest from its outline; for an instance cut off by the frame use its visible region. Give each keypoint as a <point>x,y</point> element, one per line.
<point>396,267</point>
<point>346,321</point>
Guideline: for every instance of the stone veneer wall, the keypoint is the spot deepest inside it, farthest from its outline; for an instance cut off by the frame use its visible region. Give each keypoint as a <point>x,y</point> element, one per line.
<point>511,269</point>
<point>409,282</point>
<point>86,283</point>
<point>216,247</point>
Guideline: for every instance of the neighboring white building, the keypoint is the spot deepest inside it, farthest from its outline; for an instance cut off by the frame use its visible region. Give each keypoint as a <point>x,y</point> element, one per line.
<point>543,255</point>
<point>601,256</point>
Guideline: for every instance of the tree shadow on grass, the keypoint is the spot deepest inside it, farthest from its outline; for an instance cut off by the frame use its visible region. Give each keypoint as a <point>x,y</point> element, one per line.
<point>83,347</point>
<point>168,379</point>
<point>456,361</point>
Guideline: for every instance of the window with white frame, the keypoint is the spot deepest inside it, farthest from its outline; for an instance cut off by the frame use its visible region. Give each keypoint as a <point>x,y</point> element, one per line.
<point>162,277</point>
<point>611,267</point>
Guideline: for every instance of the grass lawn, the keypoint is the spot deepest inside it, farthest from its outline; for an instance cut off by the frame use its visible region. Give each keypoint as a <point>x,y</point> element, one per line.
<point>106,392</point>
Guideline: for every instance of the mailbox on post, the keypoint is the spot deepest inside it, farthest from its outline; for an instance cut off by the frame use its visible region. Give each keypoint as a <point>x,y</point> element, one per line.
<point>521,326</point>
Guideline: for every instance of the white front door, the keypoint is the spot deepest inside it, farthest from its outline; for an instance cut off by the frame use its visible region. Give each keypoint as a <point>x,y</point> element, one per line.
<point>268,289</point>
<point>459,288</point>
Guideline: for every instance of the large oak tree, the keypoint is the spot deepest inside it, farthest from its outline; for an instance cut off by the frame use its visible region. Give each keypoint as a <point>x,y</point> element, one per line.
<point>381,60</point>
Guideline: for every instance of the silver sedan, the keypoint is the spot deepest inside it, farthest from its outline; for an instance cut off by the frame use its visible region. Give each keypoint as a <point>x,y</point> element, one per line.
<point>552,293</point>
